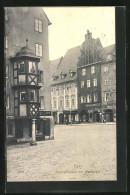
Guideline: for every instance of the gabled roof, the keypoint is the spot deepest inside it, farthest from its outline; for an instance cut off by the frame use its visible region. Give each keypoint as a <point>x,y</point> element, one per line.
<point>49,23</point>
<point>110,49</point>
<point>69,62</point>
<point>54,64</point>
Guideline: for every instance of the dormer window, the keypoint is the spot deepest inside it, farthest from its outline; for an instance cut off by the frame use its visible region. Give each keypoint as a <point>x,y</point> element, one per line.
<point>63,75</point>
<point>71,73</point>
<point>109,57</point>
<point>55,77</point>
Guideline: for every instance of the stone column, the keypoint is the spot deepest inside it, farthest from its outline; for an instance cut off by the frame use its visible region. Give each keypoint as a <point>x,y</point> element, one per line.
<point>33,130</point>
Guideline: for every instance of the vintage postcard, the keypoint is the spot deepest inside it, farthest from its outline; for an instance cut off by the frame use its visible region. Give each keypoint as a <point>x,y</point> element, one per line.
<point>60,94</point>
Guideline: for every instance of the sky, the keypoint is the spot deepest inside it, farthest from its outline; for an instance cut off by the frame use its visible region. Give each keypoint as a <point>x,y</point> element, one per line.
<point>70,24</point>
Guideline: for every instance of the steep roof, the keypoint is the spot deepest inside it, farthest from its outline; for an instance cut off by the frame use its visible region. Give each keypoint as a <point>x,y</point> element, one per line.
<point>69,62</point>
<point>54,64</point>
<point>49,23</point>
<point>110,49</point>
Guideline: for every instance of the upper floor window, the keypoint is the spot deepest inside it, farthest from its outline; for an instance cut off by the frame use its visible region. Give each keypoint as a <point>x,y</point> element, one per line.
<point>82,84</point>
<point>109,57</point>
<point>73,100</point>
<point>22,96</point>
<point>6,13</point>
<point>95,82</point>
<point>83,100</point>
<point>61,103</point>
<point>42,102</point>
<point>38,50</point>
<point>106,69</point>
<point>33,95</point>
<point>7,101</point>
<point>6,41</point>
<point>89,98</point>
<point>67,88</point>
<point>21,66</point>
<point>40,76</point>
<point>88,83</point>
<point>106,97</point>
<point>38,25</point>
<point>54,102</point>
<point>106,82</point>
<point>83,71</point>
<point>61,91</point>
<point>92,69</point>
<point>32,67</point>
<point>67,101</point>
<point>95,97</point>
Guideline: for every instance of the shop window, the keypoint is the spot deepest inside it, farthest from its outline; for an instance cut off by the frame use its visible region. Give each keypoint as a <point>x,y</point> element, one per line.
<point>42,102</point>
<point>23,96</point>
<point>88,83</point>
<point>82,84</point>
<point>83,72</point>
<point>92,69</point>
<point>38,50</point>
<point>95,82</point>
<point>38,25</point>
<point>10,128</point>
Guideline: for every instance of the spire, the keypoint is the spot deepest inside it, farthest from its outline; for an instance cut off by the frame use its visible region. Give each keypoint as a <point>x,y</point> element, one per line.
<point>26,42</point>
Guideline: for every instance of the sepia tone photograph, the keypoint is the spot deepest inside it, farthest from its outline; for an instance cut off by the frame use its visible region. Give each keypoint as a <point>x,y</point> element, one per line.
<point>60,94</point>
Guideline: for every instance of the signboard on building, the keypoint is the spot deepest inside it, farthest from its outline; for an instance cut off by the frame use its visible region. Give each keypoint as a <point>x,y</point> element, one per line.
<point>44,113</point>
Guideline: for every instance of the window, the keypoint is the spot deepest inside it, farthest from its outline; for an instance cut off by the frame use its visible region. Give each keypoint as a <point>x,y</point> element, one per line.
<point>95,97</point>
<point>67,101</point>
<point>106,69</point>
<point>38,25</point>
<point>61,103</point>
<point>54,102</point>
<point>38,50</point>
<point>6,41</point>
<point>6,13</point>
<point>73,100</point>
<point>32,67</point>
<point>83,71</point>
<point>10,128</point>
<point>33,95</point>
<point>83,100</point>
<point>106,82</point>
<point>88,83</point>
<point>42,102</point>
<point>61,90</point>
<point>67,88</point>
<point>109,57</point>
<point>95,82</point>
<point>7,101</point>
<point>82,84</point>
<point>21,66</point>
<point>54,90</point>
<point>106,97</point>
<point>92,69</point>
<point>40,76</point>
<point>89,98</point>
<point>22,96</point>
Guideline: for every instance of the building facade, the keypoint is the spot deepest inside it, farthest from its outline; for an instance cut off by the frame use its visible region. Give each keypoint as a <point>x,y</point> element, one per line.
<point>89,79</point>
<point>26,69</point>
<point>64,89</point>
<point>108,84</point>
<point>96,81</point>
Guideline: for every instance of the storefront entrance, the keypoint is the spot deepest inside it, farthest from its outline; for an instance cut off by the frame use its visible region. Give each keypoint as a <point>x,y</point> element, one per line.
<point>61,118</point>
<point>108,115</point>
<point>84,116</point>
<point>96,117</point>
<point>23,128</point>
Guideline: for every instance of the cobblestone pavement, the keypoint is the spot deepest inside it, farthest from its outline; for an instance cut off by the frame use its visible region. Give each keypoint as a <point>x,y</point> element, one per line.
<point>86,152</point>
